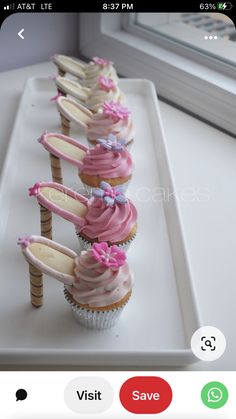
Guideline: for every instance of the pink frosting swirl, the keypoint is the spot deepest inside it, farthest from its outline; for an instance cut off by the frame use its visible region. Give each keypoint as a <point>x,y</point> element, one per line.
<point>102,125</point>
<point>107,163</point>
<point>109,223</point>
<point>98,96</point>
<point>94,70</point>
<point>97,285</point>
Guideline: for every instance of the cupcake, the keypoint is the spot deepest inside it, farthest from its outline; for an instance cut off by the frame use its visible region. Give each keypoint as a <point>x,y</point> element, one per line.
<point>111,217</point>
<point>112,118</point>
<point>108,161</point>
<point>104,91</point>
<point>108,216</point>
<point>99,67</point>
<point>102,287</point>
<point>98,283</point>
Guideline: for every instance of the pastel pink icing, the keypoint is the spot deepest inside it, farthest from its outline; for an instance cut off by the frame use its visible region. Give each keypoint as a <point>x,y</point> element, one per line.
<point>107,163</point>
<point>94,70</point>
<point>102,61</point>
<point>106,84</point>
<point>97,285</point>
<point>101,125</point>
<point>109,223</point>
<point>111,257</point>
<point>98,96</point>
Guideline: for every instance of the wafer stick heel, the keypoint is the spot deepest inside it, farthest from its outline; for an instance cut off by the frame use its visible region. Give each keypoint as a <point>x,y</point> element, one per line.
<point>56,169</point>
<point>36,286</point>
<point>46,222</point>
<point>65,125</point>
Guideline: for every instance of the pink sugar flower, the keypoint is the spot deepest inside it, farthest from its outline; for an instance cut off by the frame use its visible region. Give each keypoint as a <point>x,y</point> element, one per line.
<point>24,242</point>
<point>112,143</point>
<point>110,196</point>
<point>34,190</point>
<point>54,98</point>
<point>115,110</point>
<point>102,61</point>
<point>112,257</point>
<point>106,84</point>
<point>41,139</point>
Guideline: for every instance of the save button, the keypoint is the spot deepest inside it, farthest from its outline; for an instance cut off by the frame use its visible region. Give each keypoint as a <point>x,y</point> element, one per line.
<point>144,395</point>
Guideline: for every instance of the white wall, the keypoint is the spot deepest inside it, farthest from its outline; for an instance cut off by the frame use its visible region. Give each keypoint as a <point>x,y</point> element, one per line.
<point>45,34</point>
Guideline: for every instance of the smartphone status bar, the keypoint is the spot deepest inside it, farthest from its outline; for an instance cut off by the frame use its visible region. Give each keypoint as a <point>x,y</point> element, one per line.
<point>182,6</point>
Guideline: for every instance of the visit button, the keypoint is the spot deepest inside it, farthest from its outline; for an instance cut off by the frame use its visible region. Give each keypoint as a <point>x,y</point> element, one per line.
<point>145,395</point>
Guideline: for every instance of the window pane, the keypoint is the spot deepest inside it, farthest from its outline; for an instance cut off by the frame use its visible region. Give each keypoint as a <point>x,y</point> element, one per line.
<point>213,34</point>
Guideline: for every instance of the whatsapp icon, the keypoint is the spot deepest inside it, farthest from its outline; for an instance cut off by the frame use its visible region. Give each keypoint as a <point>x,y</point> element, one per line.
<point>214,395</point>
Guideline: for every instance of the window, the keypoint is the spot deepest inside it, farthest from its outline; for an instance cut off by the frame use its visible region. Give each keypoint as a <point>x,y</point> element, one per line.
<point>212,34</point>
<point>194,78</point>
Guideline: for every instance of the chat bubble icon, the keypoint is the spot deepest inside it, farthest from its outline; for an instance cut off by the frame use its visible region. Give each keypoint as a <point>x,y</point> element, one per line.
<point>214,395</point>
<point>21,394</point>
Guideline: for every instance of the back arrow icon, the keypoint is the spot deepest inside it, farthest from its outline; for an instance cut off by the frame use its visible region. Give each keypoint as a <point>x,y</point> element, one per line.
<point>20,34</point>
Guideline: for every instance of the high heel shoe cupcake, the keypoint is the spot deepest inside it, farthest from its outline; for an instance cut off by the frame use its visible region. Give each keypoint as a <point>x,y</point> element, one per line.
<point>92,98</point>
<point>108,216</point>
<point>98,283</point>
<point>108,161</point>
<point>113,118</point>
<point>88,73</point>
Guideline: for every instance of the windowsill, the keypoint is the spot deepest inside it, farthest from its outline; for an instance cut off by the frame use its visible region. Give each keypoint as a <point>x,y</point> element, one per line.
<point>201,157</point>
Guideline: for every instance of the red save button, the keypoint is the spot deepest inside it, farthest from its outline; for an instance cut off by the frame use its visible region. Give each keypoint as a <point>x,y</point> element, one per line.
<point>145,395</point>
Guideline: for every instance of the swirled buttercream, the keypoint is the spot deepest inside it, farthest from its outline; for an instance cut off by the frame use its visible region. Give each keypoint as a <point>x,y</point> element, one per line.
<point>114,119</point>
<point>107,163</point>
<point>102,276</point>
<point>106,222</point>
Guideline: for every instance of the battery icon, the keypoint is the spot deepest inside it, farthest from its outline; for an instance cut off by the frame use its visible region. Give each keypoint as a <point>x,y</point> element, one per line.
<point>224,6</point>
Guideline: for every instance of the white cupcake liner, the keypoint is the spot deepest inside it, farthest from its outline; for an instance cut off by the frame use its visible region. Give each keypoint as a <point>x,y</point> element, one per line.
<point>86,245</point>
<point>93,319</point>
<point>89,189</point>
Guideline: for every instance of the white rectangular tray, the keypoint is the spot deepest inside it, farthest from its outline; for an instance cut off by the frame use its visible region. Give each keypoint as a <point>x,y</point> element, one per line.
<point>157,324</point>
